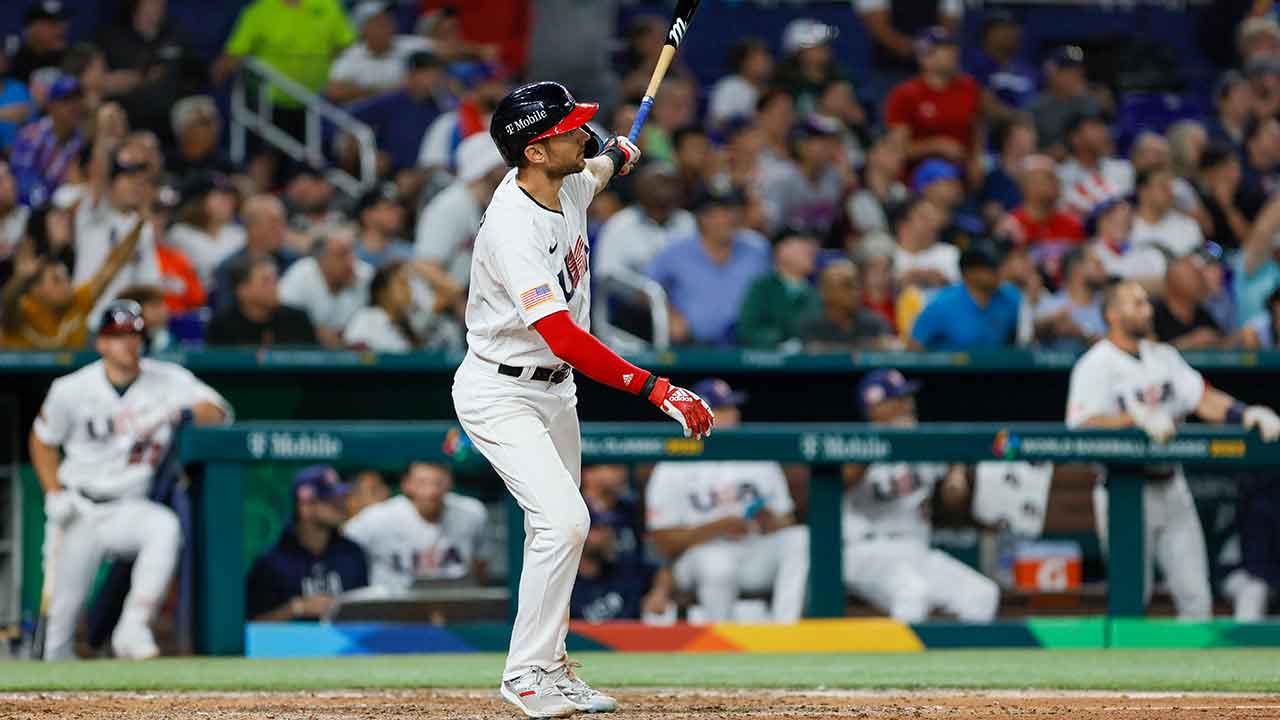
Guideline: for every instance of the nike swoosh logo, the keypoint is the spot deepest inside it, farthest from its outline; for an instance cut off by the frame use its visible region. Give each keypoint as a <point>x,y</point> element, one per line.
<point>553,248</point>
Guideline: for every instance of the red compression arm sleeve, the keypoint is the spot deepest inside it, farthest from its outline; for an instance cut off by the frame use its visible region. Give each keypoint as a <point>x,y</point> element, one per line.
<point>585,353</point>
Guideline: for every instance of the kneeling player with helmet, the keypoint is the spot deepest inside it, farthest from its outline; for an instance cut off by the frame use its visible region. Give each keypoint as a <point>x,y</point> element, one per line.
<point>887,558</point>
<point>114,420</point>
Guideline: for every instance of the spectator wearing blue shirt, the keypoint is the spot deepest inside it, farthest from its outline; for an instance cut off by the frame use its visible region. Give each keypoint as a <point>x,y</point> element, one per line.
<point>1000,193</point>
<point>15,104</point>
<point>613,575</point>
<point>1009,82</point>
<point>47,149</point>
<point>302,575</point>
<point>400,118</point>
<point>978,312</point>
<point>707,276</point>
<point>1234,99</point>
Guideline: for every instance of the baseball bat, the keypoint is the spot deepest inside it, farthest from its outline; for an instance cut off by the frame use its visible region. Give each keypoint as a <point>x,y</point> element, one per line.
<point>679,27</point>
<point>46,591</point>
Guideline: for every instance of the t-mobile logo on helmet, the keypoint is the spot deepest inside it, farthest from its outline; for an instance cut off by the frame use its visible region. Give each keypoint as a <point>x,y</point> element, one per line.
<point>526,121</point>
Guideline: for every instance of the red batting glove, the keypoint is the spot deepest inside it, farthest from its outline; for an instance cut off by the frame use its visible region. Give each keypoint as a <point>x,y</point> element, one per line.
<point>686,408</point>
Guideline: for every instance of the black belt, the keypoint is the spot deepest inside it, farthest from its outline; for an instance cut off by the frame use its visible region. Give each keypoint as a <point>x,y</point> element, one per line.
<point>542,374</point>
<point>97,499</point>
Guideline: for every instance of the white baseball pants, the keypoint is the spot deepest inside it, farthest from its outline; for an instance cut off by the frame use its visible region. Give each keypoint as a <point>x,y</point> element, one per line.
<point>529,432</point>
<point>719,570</point>
<point>130,527</point>
<point>908,580</point>
<point>1173,539</point>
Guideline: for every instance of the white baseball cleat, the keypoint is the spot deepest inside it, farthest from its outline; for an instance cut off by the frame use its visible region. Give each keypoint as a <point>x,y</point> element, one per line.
<point>536,694</point>
<point>578,692</point>
<point>133,642</point>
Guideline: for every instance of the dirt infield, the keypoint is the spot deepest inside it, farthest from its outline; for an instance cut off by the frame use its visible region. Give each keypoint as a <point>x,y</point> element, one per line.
<point>662,704</point>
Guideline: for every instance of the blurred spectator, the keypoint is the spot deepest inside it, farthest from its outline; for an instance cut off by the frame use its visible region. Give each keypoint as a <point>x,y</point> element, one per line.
<point>265,228</point>
<point>939,182</point>
<point>635,234</point>
<point>16,105</point>
<point>302,576</point>
<point>614,575</point>
<point>46,152</point>
<point>706,276</point>
<point>378,62</point>
<point>309,198</point>
<point>115,199</point>
<point>366,488</point>
<point>448,225</point>
<point>384,325</point>
<point>886,527</point>
<point>729,527</point>
<point>330,285</point>
<point>255,317</point>
<point>155,315</point>
<point>936,113</point>
<point>44,39</point>
<point>735,94</point>
<point>836,100</point>
<point>399,118</point>
<point>808,192</point>
<point>1156,221</point>
<point>1256,274</point>
<point>777,302</point>
<point>13,216</point>
<point>205,229</point>
<point>180,284</point>
<point>879,188</point>
<point>1111,226</point>
<point>1219,182</point>
<point>675,107</point>
<point>1262,331</point>
<point>1261,166</point>
<point>40,307</point>
<point>150,63</point>
<point>1233,98</point>
<point>874,256</point>
<point>479,30</point>
<point>196,125</point>
<point>1264,81</point>
<point>573,42</point>
<point>1187,142</point>
<point>1221,299</point>
<point>484,87</point>
<point>775,117</point>
<point>1072,319</point>
<point>1258,37</point>
<point>808,62</point>
<point>1000,193</point>
<point>1065,95</point>
<point>380,221</point>
<point>85,62</point>
<point>1180,318</point>
<point>920,259</point>
<point>49,229</point>
<point>297,38</point>
<point>696,163</point>
<point>842,322</point>
<point>1151,150</point>
<point>427,533</point>
<point>1089,174</point>
<point>978,312</point>
<point>894,27</point>
<point>1039,222</point>
<point>1009,83</point>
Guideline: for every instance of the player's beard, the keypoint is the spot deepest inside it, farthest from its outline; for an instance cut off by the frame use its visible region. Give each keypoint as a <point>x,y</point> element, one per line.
<point>1138,329</point>
<point>566,169</point>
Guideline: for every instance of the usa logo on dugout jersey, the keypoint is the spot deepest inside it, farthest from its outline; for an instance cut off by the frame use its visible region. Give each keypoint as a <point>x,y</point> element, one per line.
<point>533,297</point>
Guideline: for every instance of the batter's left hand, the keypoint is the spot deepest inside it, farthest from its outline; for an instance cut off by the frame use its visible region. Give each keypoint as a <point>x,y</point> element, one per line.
<point>626,150</point>
<point>1265,420</point>
<point>683,406</point>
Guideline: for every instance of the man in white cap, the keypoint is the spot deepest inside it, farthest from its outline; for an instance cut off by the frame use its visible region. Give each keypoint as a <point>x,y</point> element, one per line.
<point>378,62</point>
<point>448,225</point>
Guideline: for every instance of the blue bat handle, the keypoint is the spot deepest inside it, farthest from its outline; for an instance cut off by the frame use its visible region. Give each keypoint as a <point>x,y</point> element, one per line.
<point>641,115</point>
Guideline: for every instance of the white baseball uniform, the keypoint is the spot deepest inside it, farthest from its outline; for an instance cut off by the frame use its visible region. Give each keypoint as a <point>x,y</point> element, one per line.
<point>1107,381</point>
<point>112,440</point>
<point>402,546</point>
<point>682,495</point>
<point>528,262</point>
<point>887,558</point>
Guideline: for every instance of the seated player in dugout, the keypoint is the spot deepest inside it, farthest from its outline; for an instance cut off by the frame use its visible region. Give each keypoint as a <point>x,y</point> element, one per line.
<point>426,533</point>
<point>886,523</point>
<point>728,527</point>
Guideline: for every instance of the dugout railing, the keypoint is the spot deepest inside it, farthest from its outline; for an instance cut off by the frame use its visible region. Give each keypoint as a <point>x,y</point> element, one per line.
<point>225,453</point>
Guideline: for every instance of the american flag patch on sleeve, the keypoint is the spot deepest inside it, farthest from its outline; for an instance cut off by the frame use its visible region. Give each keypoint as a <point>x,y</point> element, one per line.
<point>535,296</point>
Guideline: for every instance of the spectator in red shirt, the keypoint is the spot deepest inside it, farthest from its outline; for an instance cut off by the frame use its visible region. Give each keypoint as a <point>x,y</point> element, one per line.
<point>1039,221</point>
<point>935,114</point>
<point>502,23</point>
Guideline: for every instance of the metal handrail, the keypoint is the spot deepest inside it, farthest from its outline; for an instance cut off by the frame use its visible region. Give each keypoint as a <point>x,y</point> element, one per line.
<point>655,298</point>
<point>245,119</point>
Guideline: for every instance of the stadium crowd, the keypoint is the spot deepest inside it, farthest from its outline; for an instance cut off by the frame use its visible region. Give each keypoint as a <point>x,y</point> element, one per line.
<point>946,197</point>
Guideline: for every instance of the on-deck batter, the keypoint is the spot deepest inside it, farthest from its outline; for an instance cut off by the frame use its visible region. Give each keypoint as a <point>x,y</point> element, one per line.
<point>114,419</point>
<point>527,317</point>
<point>1126,381</point>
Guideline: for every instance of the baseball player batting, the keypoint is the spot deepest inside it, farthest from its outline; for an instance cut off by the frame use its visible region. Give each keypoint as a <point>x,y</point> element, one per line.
<point>113,419</point>
<point>1126,380</point>
<point>527,332</point>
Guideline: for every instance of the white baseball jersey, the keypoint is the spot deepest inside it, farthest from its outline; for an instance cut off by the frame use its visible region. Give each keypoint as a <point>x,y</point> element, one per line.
<point>1108,381</point>
<point>696,493</point>
<point>112,439</point>
<point>403,547</point>
<point>892,501</point>
<point>529,261</point>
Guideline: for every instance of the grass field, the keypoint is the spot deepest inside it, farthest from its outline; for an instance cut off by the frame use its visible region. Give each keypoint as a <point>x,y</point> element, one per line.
<point>1226,670</point>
